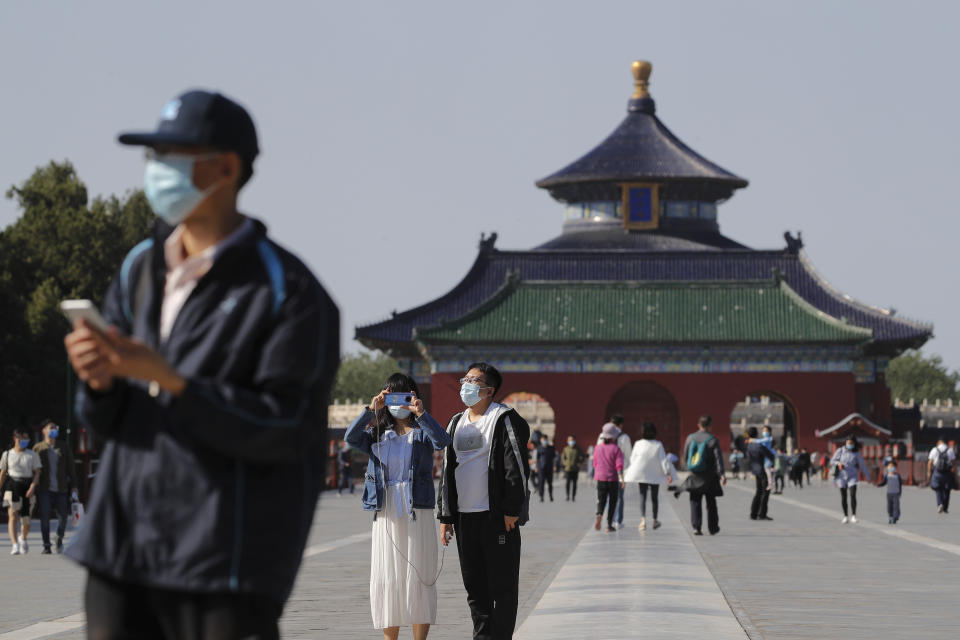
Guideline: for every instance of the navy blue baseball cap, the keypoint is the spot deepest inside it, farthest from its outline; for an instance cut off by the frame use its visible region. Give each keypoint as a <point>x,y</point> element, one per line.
<point>203,119</point>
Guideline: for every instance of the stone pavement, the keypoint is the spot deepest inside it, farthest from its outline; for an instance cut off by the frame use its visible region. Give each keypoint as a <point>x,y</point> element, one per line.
<point>803,575</point>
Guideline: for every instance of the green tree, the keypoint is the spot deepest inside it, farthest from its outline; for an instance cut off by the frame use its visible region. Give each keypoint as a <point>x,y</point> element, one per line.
<point>913,375</point>
<point>361,375</point>
<point>61,246</point>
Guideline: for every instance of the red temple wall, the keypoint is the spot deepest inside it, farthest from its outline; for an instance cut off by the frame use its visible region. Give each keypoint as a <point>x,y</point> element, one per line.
<point>580,401</point>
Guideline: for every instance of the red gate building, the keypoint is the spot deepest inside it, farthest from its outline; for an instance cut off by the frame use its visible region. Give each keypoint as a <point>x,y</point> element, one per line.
<point>642,307</point>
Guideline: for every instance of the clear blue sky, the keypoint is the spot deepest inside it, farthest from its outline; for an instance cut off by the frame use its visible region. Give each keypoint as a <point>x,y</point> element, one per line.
<point>393,134</point>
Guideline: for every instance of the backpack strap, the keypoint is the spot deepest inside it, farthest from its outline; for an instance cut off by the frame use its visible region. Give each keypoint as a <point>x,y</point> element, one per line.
<point>515,446</point>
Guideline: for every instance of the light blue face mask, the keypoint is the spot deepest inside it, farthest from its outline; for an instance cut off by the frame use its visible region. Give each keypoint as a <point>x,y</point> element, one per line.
<point>399,412</point>
<point>850,447</point>
<point>470,393</point>
<point>168,185</point>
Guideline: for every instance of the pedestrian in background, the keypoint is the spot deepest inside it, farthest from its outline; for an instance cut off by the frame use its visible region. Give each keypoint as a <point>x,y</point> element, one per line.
<point>608,466</point>
<point>591,472</point>
<point>546,460</point>
<point>649,469</point>
<point>759,455</point>
<point>891,479</point>
<point>571,458</point>
<point>849,464</point>
<point>779,471</point>
<point>941,464</point>
<point>345,468</point>
<point>623,441</point>
<point>19,474</point>
<point>701,454</point>
<point>58,479</point>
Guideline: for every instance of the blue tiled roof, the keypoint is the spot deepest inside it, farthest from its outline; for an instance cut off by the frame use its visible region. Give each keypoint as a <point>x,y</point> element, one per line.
<point>490,270</point>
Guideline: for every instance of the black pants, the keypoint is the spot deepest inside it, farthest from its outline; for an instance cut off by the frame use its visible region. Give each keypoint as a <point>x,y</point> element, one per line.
<point>853,499</point>
<point>758,507</point>
<point>654,499</point>
<point>545,478</point>
<point>696,512</point>
<point>943,497</point>
<point>893,506</point>
<point>778,482</point>
<point>124,611</point>
<point>490,567</point>
<point>571,478</point>
<point>346,480</point>
<point>60,501</point>
<point>607,493</point>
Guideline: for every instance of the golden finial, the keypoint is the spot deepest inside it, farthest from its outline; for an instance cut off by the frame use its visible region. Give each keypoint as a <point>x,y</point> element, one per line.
<point>641,75</point>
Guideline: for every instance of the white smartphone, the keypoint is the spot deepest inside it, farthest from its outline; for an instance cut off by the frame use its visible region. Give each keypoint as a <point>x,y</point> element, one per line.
<point>85,309</point>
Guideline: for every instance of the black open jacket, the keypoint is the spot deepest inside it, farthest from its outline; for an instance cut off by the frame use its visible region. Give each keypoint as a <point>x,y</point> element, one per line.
<point>505,480</point>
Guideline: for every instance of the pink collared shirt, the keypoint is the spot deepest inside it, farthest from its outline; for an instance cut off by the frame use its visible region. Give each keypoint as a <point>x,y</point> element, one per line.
<point>184,272</point>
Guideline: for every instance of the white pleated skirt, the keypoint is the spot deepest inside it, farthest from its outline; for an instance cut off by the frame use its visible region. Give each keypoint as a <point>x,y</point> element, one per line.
<point>398,595</point>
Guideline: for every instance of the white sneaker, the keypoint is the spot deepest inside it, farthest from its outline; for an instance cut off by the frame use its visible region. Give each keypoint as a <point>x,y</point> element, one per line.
<point>845,520</point>
<point>853,519</point>
<point>15,551</point>
<point>643,524</point>
<point>24,547</point>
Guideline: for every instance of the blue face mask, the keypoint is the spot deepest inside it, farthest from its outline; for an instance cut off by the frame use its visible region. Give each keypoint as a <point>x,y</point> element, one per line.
<point>399,412</point>
<point>571,442</point>
<point>470,393</point>
<point>54,433</point>
<point>851,447</point>
<point>168,185</point>
<point>24,444</point>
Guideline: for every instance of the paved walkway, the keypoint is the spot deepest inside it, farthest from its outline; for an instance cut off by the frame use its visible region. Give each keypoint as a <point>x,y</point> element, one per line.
<point>804,575</point>
<point>651,584</point>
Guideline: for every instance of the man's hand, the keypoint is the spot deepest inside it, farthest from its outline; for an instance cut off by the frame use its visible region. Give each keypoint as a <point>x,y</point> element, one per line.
<point>723,480</point>
<point>510,522</point>
<point>86,349</point>
<point>130,358</point>
<point>446,533</point>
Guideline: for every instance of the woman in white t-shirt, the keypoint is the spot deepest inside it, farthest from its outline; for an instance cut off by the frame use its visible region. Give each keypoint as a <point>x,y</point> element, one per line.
<point>19,474</point>
<point>649,468</point>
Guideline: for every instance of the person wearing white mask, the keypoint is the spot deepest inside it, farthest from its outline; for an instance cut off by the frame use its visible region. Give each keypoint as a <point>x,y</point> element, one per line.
<point>483,498</point>
<point>941,466</point>
<point>400,441</point>
<point>649,468</point>
<point>849,465</point>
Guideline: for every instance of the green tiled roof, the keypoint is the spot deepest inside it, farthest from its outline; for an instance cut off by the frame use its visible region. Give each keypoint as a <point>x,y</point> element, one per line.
<point>761,312</point>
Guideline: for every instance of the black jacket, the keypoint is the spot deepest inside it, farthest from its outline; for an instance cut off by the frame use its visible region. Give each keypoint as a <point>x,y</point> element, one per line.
<point>757,453</point>
<point>505,482</point>
<point>214,491</point>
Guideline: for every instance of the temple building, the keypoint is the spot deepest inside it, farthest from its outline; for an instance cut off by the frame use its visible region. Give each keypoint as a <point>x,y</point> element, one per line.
<point>641,306</point>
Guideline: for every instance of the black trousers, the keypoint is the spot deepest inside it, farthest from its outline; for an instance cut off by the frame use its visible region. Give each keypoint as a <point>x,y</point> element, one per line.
<point>490,567</point>
<point>853,499</point>
<point>123,611</point>
<point>545,478</point>
<point>571,478</point>
<point>654,499</point>
<point>758,507</point>
<point>893,505</point>
<point>607,493</point>
<point>696,512</point>
<point>778,482</point>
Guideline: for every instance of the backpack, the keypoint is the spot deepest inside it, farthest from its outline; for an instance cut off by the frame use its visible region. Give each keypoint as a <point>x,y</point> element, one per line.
<point>697,456</point>
<point>943,462</point>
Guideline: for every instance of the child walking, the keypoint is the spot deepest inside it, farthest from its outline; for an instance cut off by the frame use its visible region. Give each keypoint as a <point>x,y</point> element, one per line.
<point>894,488</point>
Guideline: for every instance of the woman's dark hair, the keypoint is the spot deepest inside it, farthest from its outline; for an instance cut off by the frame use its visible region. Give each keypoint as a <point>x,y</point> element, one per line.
<point>616,419</point>
<point>396,383</point>
<point>752,432</point>
<point>648,431</point>
<point>609,440</point>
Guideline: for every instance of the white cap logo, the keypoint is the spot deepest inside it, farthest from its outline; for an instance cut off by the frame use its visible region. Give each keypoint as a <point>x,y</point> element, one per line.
<point>170,110</point>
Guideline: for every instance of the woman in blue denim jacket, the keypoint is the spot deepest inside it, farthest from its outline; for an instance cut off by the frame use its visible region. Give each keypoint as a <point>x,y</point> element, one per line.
<point>399,489</point>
